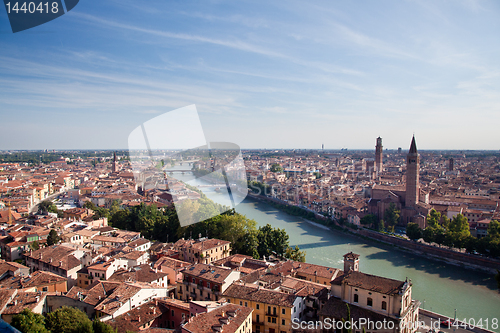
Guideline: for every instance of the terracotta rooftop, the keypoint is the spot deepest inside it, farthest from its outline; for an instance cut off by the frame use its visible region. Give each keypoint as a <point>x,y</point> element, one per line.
<point>370,282</point>
<point>207,272</point>
<point>170,262</point>
<point>36,279</point>
<point>256,294</point>
<point>227,319</point>
<point>142,273</point>
<point>56,255</point>
<point>24,300</point>
<point>137,317</point>
<point>120,295</point>
<point>138,242</point>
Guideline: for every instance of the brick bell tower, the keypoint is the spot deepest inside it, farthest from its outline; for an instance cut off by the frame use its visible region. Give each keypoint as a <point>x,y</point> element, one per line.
<point>378,155</point>
<point>412,175</point>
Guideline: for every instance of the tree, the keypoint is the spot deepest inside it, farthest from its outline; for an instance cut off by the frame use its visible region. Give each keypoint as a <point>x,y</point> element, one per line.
<point>115,207</point>
<point>276,168</point>
<point>459,230</point>
<point>494,229</point>
<point>34,246</point>
<point>272,240</point>
<point>413,231</point>
<point>471,244</point>
<point>295,254</point>
<point>100,327</point>
<point>368,220</point>
<point>89,205</point>
<point>68,320</point>
<point>391,215</point>
<point>47,206</point>
<point>434,218</point>
<point>381,225</point>
<point>53,238</point>
<point>27,321</point>
<point>428,234</point>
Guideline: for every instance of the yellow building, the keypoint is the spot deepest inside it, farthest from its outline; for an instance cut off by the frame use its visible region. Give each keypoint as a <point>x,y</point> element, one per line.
<point>203,251</point>
<point>273,311</point>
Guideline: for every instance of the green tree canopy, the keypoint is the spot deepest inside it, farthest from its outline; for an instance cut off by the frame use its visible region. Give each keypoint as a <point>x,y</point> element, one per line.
<point>27,321</point>
<point>272,240</point>
<point>413,231</point>
<point>100,327</point>
<point>68,320</point>
<point>52,238</point>
<point>494,229</point>
<point>391,215</point>
<point>369,220</point>
<point>47,206</point>
<point>34,246</point>
<point>295,254</point>
<point>276,168</point>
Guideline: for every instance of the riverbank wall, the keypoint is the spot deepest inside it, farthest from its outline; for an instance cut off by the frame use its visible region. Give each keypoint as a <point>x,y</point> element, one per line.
<point>468,261</point>
<point>465,260</point>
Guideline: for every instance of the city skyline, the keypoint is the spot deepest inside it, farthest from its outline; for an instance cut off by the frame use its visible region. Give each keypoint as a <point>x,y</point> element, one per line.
<point>261,75</point>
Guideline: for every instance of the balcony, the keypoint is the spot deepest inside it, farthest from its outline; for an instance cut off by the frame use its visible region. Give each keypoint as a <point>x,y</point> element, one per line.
<point>272,314</point>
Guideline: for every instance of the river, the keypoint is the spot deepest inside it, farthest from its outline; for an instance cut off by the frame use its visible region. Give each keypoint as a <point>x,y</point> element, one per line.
<point>440,287</point>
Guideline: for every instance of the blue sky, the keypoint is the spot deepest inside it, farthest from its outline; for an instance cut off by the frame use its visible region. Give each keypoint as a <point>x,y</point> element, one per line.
<point>282,74</point>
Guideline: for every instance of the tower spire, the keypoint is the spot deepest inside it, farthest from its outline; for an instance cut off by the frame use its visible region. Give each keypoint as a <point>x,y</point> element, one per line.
<point>413,146</point>
<point>412,175</point>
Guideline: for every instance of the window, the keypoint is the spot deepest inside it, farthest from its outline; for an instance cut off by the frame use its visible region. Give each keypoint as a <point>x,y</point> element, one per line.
<point>268,319</point>
<point>282,321</point>
<point>241,302</point>
<point>283,311</point>
<point>172,313</point>
<point>257,318</point>
<point>356,298</point>
<point>384,305</point>
<point>257,307</point>
<point>246,304</point>
<point>269,309</point>
<point>369,301</point>
<point>274,311</point>
<point>273,320</point>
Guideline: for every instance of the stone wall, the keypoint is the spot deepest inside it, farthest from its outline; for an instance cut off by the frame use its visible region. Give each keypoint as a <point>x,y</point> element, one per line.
<point>450,256</point>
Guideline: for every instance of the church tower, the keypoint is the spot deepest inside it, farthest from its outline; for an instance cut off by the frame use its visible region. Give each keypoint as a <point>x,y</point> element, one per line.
<point>378,155</point>
<point>113,167</point>
<point>412,175</point>
<point>351,262</point>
